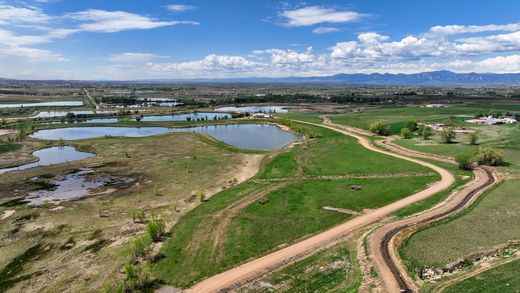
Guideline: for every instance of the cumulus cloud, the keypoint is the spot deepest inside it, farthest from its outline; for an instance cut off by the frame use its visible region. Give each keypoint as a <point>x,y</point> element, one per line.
<point>279,56</point>
<point>325,30</point>
<point>311,15</point>
<point>209,65</point>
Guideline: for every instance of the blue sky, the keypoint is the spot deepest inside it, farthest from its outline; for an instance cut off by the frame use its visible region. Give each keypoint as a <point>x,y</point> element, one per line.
<point>136,39</point>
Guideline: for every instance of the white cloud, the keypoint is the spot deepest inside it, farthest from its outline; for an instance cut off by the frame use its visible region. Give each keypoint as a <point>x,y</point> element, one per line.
<point>179,7</point>
<point>94,20</point>
<point>325,30</point>
<point>461,29</point>
<point>279,56</point>
<point>22,15</point>
<point>208,66</point>
<point>312,15</point>
<point>131,57</point>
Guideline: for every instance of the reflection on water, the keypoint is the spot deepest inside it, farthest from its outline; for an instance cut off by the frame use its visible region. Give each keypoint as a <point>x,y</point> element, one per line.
<point>245,136</point>
<point>44,104</point>
<point>254,109</point>
<point>52,156</point>
<point>72,186</point>
<point>47,114</point>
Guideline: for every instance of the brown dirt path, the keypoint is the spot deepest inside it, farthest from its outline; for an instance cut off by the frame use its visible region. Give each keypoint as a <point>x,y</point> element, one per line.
<point>257,267</point>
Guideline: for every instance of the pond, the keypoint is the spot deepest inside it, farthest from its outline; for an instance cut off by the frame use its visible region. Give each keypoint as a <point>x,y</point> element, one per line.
<point>47,114</point>
<point>75,185</point>
<point>160,118</point>
<point>44,104</point>
<point>254,109</point>
<point>245,136</point>
<point>52,156</point>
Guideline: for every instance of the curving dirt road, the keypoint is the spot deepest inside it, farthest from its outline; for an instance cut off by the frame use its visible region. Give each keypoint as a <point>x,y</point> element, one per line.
<point>257,267</point>
<point>384,242</point>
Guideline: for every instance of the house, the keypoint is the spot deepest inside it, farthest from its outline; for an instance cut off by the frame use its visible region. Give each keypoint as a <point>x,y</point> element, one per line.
<point>262,116</point>
<point>493,121</point>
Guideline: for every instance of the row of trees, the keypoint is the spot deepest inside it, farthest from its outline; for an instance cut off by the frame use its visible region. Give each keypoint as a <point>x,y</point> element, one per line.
<point>485,155</point>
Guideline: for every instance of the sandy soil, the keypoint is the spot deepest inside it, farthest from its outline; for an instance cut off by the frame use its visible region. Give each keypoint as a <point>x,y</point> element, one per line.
<point>262,265</point>
<point>6,131</point>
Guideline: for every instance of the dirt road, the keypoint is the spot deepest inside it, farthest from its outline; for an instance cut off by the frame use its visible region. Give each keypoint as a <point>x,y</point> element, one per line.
<point>384,242</point>
<point>257,267</point>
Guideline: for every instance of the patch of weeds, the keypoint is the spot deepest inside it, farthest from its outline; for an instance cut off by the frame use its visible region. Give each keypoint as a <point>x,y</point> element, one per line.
<point>9,276</point>
<point>14,203</point>
<point>27,217</point>
<point>69,244</point>
<point>96,234</point>
<point>97,245</point>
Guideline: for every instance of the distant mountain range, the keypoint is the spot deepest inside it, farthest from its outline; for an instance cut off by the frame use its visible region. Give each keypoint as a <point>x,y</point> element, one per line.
<point>434,78</point>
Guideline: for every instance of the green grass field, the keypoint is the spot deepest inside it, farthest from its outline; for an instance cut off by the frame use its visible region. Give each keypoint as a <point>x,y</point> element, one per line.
<point>492,221</point>
<point>501,279</point>
<point>233,227</point>
<point>331,270</point>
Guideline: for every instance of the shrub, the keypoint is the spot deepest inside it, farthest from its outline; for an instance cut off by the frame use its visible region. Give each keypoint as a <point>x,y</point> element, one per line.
<point>155,230</point>
<point>140,247</point>
<point>411,125</point>
<point>141,216</point>
<point>472,138</point>
<point>490,156</point>
<point>447,135</point>
<point>380,128</point>
<point>406,133</point>
<point>464,161</point>
<point>425,132</point>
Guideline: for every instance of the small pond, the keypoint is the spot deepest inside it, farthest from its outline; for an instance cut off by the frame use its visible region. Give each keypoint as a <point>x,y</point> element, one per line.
<point>244,136</point>
<point>52,156</point>
<point>254,109</point>
<point>44,104</point>
<point>73,186</point>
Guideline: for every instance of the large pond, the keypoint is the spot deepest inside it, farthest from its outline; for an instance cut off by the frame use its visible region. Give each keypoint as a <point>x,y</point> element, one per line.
<point>44,104</point>
<point>51,156</point>
<point>254,109</point>
<point>244,136</point>
<point>47,114</point>
<point>160,118</point>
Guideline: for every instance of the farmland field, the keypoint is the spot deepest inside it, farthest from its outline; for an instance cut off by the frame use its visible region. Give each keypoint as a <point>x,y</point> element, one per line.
<point>492,221</point>
<point>293,188</point>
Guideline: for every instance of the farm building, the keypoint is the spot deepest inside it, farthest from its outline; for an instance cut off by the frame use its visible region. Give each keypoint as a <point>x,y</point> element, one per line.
<point>493,121</point>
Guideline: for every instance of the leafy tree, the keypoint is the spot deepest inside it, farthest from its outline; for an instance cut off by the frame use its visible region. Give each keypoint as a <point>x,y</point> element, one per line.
<point>464,161</point>
<point>447,135</point>
<point>406,133</point>
<point>490,156</point>
<point>411,125</point>
<point>380,128</point>
<point>472,138</point>
<point>425,132</point>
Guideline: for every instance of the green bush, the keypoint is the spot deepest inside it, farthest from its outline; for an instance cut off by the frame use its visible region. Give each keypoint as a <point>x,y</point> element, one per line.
<point>141,245</point>
<point>406,133</point>
<point>472,138</point>
<point>425,132</point>
<point>380,128</point>
<point>464,161</point>
<point>490,156</point>
<point>447,135</point>
<point>411,125</point>
<point>155,230</point>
